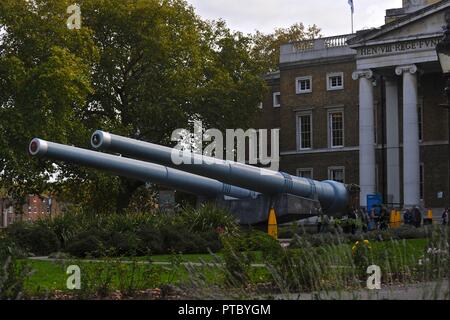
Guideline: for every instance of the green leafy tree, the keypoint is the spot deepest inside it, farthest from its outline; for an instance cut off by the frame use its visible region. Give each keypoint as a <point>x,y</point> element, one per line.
<point>266,47</point>
<point>45,80</point>
<point>140,68</point>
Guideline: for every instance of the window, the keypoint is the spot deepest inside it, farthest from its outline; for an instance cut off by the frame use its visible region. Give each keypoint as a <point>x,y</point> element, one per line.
<point>303,85</point>
<point>336,129</point>
<point>422,182</point>
<point>304,131</point>
<point>305,173</point>
<point>335,81</point>
<point>337,174</point>
<point>276,99</point>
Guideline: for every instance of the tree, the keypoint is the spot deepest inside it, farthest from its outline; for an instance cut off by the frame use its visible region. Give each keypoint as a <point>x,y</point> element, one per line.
<point>266,47</point>
<point>44,85</point>
<point>139,68</point>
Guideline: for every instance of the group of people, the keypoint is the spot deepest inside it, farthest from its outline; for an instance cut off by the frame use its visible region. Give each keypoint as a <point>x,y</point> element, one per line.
<point>376,220</point>
<point>380,219</point>
<point>413,217</point>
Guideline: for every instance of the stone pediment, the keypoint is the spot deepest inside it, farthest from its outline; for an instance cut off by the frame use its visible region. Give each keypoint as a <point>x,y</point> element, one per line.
<point>422,23</point>
<point>412,38</point>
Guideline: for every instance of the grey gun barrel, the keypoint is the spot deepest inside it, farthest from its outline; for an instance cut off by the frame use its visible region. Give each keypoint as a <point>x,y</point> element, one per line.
<point>139,170</point>
<point>333,196</point>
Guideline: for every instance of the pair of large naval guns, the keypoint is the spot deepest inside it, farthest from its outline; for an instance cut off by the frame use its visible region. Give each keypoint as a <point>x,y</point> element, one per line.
<point>248,192</point>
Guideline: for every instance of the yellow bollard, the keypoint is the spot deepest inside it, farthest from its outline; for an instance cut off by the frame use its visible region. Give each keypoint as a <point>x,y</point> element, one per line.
<point>396,219</point>
<point>273,226</point>
<point>429,220</point>
<point>393,219</point>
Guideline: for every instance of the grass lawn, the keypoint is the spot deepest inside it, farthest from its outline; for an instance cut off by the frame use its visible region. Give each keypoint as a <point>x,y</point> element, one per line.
<point>49,276</point>
<point>113,274</point>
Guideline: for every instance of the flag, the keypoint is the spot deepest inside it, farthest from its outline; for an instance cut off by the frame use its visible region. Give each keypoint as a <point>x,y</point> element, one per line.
<point>350,2</point>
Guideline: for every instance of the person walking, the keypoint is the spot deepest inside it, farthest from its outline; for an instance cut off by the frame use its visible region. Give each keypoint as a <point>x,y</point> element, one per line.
<point>407,218</point>
<point>384,219</point>
<point>445,217</point>
<point>417,217</point>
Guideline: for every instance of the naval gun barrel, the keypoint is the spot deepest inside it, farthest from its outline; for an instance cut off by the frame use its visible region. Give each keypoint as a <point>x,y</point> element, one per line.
<point>333,196</point>
<point>139,170</point>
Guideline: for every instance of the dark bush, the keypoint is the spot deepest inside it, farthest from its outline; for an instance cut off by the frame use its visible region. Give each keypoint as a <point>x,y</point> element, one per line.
<point>84,234</point>
<point>121,244</point>
<point>178,238</point>
<point>35,239</point>
<point>86,245</point>
<point>410,232</point>
<point>150,241</point>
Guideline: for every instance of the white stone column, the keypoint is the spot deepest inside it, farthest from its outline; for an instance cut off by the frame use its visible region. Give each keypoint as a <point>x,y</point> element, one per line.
<point>411,150</point>
<point>392,140</point>
<point>366,135</point>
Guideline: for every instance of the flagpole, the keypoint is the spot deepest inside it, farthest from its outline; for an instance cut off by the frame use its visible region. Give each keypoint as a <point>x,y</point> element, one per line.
<point>352,21</point>
<point>352,10</point>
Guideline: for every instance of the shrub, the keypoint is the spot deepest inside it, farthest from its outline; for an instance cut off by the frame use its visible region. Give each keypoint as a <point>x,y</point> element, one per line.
<point>84,245</point>
<point>12,273</point>
<point>208,218</point>
<point>362,255</point>
<point>36,239</point>
<point>150,241</point>
<point>121,243</point>
<point>89,234</point>
<point>179,239</point>
<point>260,241</point>
<point>238,259</point>
<point>410,232</point>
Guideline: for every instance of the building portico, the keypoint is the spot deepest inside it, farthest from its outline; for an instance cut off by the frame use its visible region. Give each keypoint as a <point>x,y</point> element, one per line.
<point>364,108</point>
<point>399,52</point>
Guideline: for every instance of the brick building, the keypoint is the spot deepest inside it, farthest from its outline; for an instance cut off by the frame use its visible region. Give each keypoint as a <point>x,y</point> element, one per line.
<point>34,208</point>
<point>364,108</point>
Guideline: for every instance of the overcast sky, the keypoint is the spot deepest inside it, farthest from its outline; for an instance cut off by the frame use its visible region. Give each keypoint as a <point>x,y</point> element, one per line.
<point>333,16</point>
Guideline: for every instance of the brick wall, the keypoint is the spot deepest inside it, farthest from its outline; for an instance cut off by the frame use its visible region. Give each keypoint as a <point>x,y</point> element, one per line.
<point>435,127</point>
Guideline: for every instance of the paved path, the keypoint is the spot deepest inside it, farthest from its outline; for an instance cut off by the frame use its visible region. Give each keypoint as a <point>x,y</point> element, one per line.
<point>421,291</point>
<point>156,263</point>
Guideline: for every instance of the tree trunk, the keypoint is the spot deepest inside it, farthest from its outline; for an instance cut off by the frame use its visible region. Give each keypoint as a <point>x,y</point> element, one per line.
<point>127,189</point>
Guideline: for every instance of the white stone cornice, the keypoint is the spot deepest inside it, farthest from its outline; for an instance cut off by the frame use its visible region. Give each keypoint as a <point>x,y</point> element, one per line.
<point>358,74</point>
<point>411,68</point>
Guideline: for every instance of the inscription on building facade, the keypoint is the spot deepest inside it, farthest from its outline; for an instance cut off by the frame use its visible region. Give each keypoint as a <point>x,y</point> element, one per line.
<point>399,47</point>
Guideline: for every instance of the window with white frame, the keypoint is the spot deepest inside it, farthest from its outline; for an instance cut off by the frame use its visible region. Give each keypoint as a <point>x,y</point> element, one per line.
<point>336,128</point>
<point>337,174</point>
<point>276,99</point>
<point>305,173</point>
<point>304,131</point>
<point>335,81</point>
<point>303,84</point>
